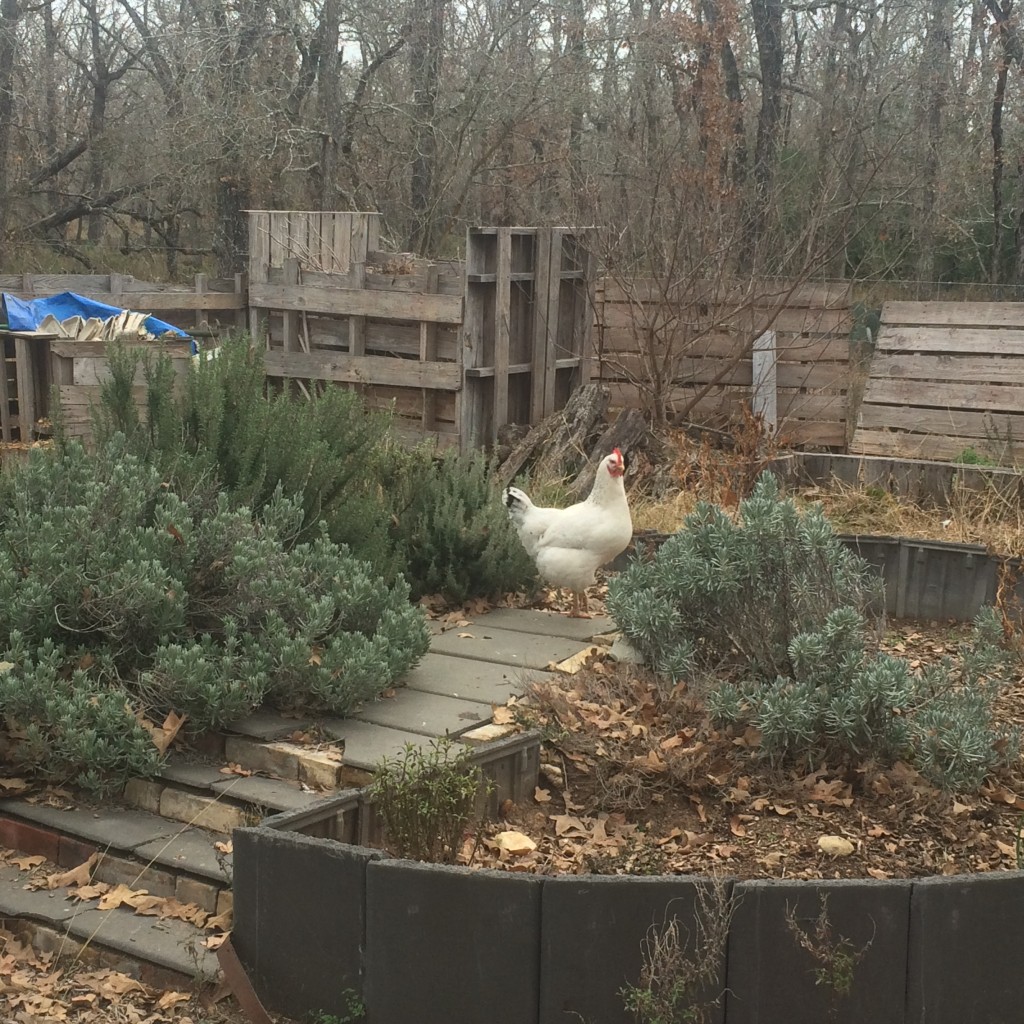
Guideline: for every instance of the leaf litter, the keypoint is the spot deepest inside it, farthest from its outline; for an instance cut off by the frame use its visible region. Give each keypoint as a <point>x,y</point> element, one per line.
<point>638,781</point>
<point>35,988</point>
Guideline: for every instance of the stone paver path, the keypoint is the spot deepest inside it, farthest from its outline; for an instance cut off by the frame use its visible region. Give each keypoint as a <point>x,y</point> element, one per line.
<point>468,669</point>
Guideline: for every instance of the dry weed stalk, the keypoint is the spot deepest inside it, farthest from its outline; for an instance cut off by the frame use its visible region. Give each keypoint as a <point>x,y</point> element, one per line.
<point>681,975</point>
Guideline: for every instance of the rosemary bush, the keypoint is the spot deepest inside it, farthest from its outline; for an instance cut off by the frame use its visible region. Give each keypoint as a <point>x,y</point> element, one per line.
<point>121,594</point>
<point>426,798</point>
<point>739,590</point>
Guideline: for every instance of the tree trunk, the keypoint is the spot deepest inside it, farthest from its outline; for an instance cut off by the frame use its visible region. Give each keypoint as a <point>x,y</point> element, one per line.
<point>999,96</point>
<point>767,16</point>
<point>426,40</point>
<point>934,86</point>
<point>10,12</point>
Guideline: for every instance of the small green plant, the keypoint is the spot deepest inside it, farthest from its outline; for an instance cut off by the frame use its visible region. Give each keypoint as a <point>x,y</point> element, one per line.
<point>426,798</point>
<point>682,973</point>
<point>354,1011</point>
<point>836,956</point>
<point>738,591</point>
<point>971,457</point>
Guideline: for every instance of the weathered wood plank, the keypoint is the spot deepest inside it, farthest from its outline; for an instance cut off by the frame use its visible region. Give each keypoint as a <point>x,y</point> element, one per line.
<point>916,446</point>
<point>978,341</point>
<point>26,387</point>
<point>954,422</point>
<point>385,305</point>
<point>790,347</point>
<point>502,331</point>
<point>540,391</point>
<point>974,368</point>
<point>945,395</point>
<point>725,371</point>
<point>362,369</point>
<point>963,314</point>
<point>96,349</point>
<point>765,383</point>
<point>290,318</point>
<point>90,370</point>
<point>428,354</point>
<point>5,394</point>
<point>684,323</point>
<point>831,294</point>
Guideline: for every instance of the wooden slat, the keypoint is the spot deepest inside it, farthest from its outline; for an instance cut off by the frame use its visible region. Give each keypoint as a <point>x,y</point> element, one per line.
<point>974,368</point>
<point>765,381</point>
<point>502,331</point>
<point>385,305</point>
<point>290,318</point>
<point>956,422</point>
<point>95,349</point>
<point>5,395</point>
<point>790,347</point>
<point>962,314</point>
<point>918,446</point>
<point>26,387</point>
<point>821,295</point>
<point>962,340</point>
<point>738,373</point>
<point>428,353</point>
<point>948,395</point>
<point>362,369</point>
<point>685,322</point>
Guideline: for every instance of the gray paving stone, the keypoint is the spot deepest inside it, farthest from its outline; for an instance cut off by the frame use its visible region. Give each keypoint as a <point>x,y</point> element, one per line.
<point>265,725</point>
<point>366,743</point>
<point>469,679</point>
<point>117,828</point>
<point>174,945</point>
<point>544,623</point>
<point>189,773</point>
<point>191,850</point>
<point>504,646</point>
<point>280,796</point>
<point>429,713</point>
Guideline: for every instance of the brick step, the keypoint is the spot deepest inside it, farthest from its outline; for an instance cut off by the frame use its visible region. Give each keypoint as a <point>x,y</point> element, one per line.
<point>161,953</point>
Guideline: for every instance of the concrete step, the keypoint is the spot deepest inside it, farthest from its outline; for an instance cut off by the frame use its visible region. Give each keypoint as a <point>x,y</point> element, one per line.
<point>134,847</point>
<point>158,952</point>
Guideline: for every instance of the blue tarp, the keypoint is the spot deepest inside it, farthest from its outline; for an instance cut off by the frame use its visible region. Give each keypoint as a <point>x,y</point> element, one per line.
<point>25,315</point>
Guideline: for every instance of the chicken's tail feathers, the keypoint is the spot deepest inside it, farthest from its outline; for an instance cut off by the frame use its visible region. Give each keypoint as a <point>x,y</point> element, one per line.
<point>517,503</point>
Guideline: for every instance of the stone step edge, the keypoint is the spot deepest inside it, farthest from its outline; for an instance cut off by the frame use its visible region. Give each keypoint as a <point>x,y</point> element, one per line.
<point>190,883</point>
<point>159,956</point>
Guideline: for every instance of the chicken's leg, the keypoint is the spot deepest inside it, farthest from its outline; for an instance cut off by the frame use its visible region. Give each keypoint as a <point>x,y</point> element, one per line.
<point>580,605</point>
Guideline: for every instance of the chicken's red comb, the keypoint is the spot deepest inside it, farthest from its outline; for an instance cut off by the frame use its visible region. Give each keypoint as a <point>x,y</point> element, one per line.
<point>615,451</point>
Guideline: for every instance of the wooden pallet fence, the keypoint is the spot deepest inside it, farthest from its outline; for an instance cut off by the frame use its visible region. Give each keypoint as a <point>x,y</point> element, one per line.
<point>457,350</point>
<point>946,377</point>
<point>711,337</point>
<point>527,332</point>
<point>332,308</point>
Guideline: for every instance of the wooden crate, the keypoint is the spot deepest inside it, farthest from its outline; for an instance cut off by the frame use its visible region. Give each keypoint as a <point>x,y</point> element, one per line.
<point>78,370</point>
<point>946,377</point>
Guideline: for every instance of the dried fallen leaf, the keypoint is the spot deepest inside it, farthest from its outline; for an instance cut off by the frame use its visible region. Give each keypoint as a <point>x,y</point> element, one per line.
<point>225,847</point>
<point>573,664</point>
<point>542,796</point>
<point>736,826</point>
<point>216,941</point>
<point>835,846</point>
<point>13,785</point>
<point>27,863</point>
<point>515,844</point>
<point>76,876</point>
<point>171,999</point>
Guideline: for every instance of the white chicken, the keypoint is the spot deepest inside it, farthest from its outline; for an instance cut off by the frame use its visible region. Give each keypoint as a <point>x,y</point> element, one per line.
<point>569,544</point>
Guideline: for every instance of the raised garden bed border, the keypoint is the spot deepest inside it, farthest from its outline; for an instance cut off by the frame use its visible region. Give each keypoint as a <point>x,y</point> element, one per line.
<point>320,921</point>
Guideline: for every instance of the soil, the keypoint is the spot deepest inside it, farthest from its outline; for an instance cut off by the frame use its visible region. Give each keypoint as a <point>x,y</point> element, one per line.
<point>638,782</point>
